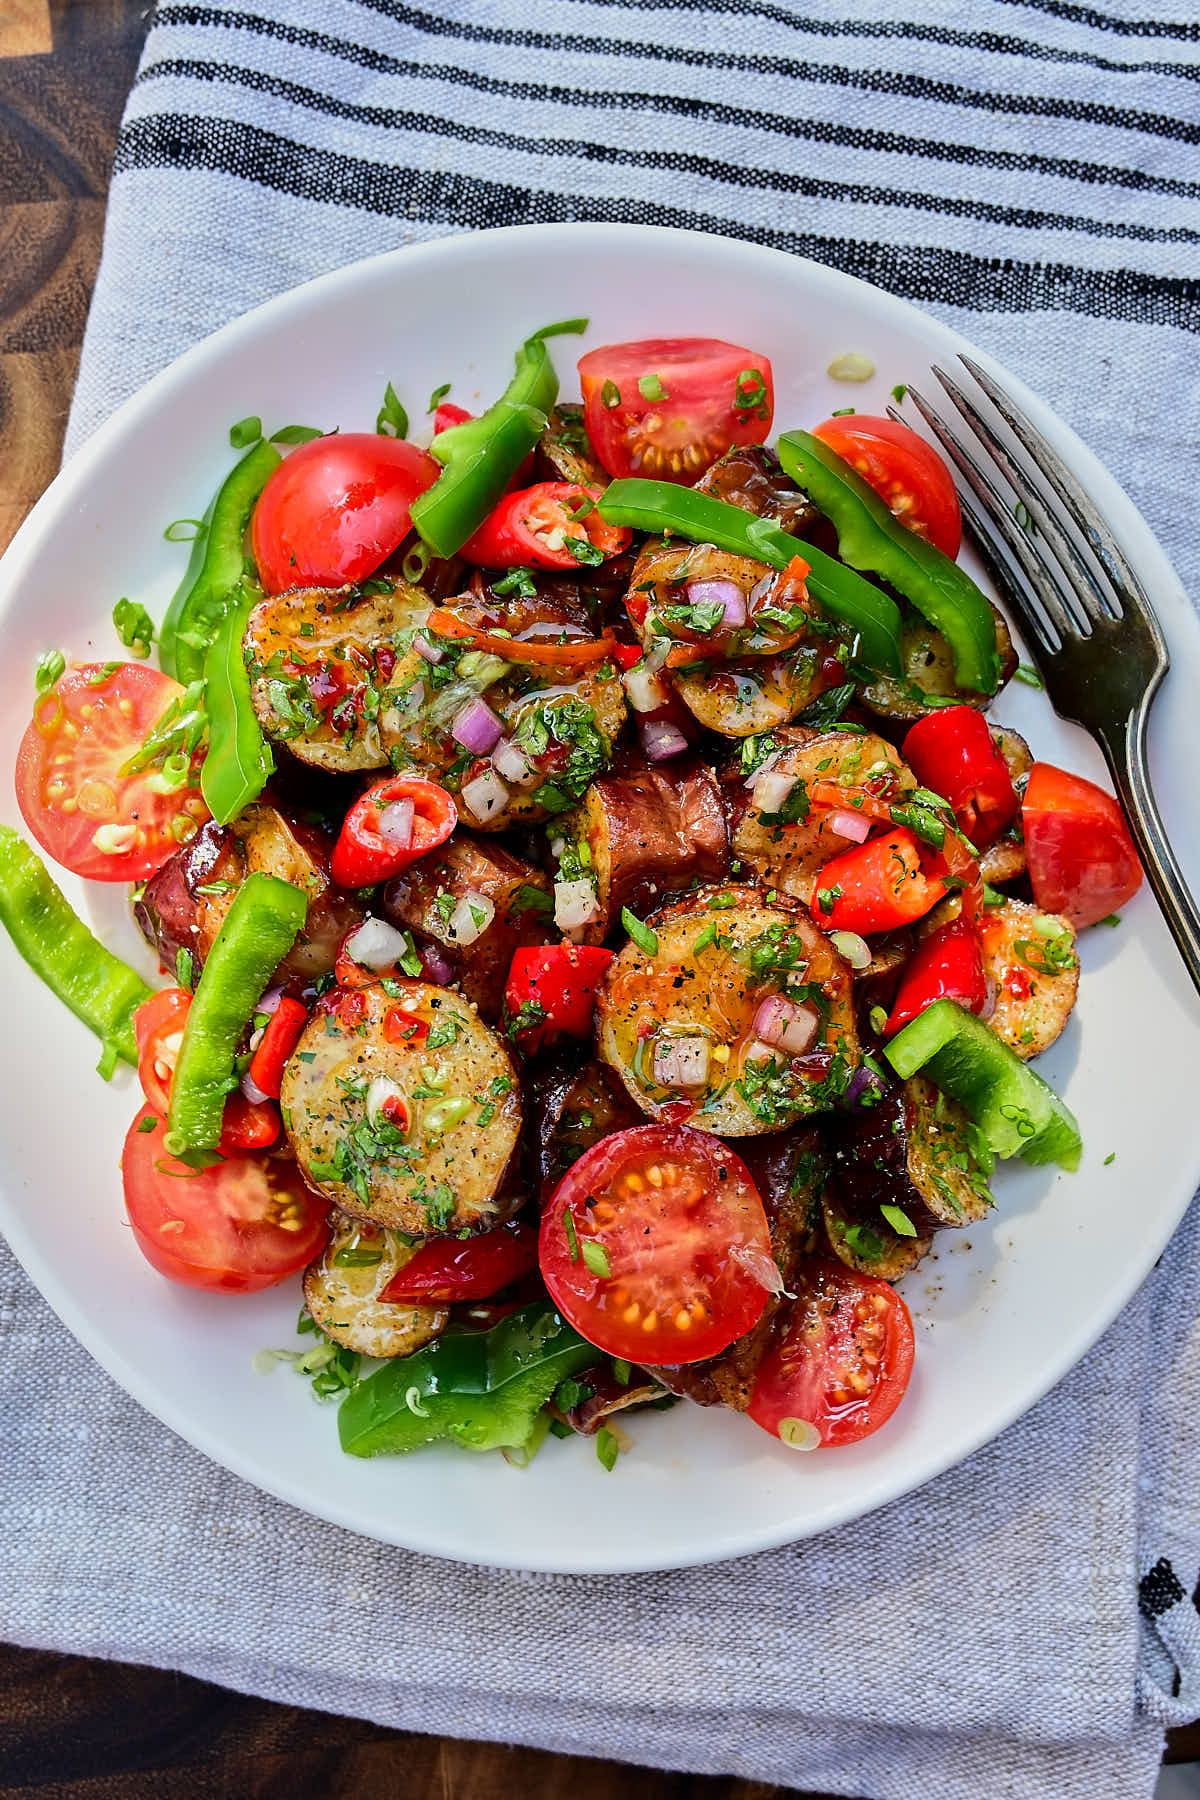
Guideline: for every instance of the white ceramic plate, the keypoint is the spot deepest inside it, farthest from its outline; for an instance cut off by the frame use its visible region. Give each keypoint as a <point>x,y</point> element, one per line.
<point>997,1322</point>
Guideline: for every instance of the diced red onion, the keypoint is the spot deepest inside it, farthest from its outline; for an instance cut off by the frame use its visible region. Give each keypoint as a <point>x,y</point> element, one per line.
<point>768,763</point>
<point>485,796</point>
<point>786,1026</point>
<point>509,760</point>
<point>434,965</point>
<point>396,823</point>
<point>661,740</point>
<point>771,789</point>
<point>476,727</point>
<point>644,691</point>
<point>849,824</point>
<point>762,1267</point>
<point>866,1087</point>
<point>760,590</point>
<point>990,997</point>
<point>433,653</point>
<point>726,594</point>
<point>470,918</point>
<point>681,1062</point>
<point>855,949</point>
<point>252,1090</point>
<point>376,945</point>
<point>575,904</point>
<point>379,1092</point>
<point>759,1052</point>
<point>270,1000</point>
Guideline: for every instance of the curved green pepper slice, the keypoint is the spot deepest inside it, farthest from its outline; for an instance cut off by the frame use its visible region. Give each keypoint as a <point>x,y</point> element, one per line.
<point>239,761</point>
<point>665,506</point>
<point>871,538</point>
<point>480,457</point>
<point>481,1389</point>
<point>216,566</point>
<point>258,930</point>
<point>97,986</point>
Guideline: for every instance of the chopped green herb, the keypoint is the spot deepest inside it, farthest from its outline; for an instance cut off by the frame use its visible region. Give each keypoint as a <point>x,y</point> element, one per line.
<point>247,431</point>
<point>877,1019</point>
<point>150,1121</point>
<point>1110,919</point>
<point>50,665</point>
<point>650,387</point>
<point>607,1448</point>
<point>750,394</point>
<point>610,395</point>
<point>184,968</point>
<point>841,412</point>
<point>596,1258</point>
<point>1028,674</point>
<point>1110,1158</point>
<point>622,1370</point>
<point>707,936</point>
<point>517,581</point>
<point>584,551</point>
<point>722,902</point>
<point>391,420</point>
<point>134,626</point>
<point>899,1221</point>
<point>572,1235</point>
<point>437,396</point>
<point>645,939</point>
<point>296,434</point>
<point>899,391</point>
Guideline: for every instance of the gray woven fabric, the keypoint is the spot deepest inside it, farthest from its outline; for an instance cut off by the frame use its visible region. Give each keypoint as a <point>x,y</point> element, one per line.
<point>1028,173</point>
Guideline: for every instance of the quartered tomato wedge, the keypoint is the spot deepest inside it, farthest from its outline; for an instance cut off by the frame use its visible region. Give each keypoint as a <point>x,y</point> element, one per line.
<point>244,1224</point>
<point>1082,861</point>
<point>669,407</point>
<point>655,1245</point>
<point>82,810</point>
<point>843,1363</point>
<point>905,471</point>
<point>336,508</point>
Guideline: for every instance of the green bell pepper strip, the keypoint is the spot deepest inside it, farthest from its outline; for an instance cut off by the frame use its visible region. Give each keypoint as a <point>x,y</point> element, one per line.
<point>97,986</point>
<point>480,457</point>
<point>871,538</point>
<point>239,762</point>
<point>481,1389</point>
<point>216,565</point>
<point>662,506</point>
<point>1017,1112</point>
<point>258,930</point>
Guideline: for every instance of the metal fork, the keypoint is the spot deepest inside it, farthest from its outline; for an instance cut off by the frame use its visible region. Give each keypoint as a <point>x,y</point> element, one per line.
<point>1090,625</point>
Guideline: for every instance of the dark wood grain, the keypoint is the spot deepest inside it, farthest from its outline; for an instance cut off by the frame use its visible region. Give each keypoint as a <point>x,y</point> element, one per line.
<point>72,1728</point>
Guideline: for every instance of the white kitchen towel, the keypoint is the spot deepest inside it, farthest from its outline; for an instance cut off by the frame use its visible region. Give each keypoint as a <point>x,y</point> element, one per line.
<point>1027,171</point>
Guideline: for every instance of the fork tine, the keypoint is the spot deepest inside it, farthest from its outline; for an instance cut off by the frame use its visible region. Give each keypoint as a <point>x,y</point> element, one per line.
<point>1084,512</point>
<point>1042,637</point>
<point>1091,596</point>
<point>999,522</point>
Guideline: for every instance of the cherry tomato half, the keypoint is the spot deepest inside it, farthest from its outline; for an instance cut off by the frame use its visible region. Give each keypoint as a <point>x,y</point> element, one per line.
<point>158,1029</point>
<point>652,1242</point>
<point>843,1363</point>
<point>952,752</point>
<point>876,886</point>
<point>363,855</point>
<point>552,525</point>
<point>74,799</point>
<point>551,991</point>
<point>245,1224</point>
<point>335,508</point>
<point>669,407</point>
<point>446,1269</point>
<point>1082,862</point>
<point>905,472</point>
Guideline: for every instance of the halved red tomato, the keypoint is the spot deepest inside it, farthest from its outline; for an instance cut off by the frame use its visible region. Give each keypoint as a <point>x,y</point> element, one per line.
<point>669,407</point>
<point>843,1363</point>
<point>1082,862</point>
<point>655,1245</point>
<point>336,508</point>
<point>245,1224</point>
<point>904,470</point>
<point>82,810</point>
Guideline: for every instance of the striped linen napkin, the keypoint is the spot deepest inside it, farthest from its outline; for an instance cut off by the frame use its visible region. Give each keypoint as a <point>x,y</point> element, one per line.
<point>1026,170</point>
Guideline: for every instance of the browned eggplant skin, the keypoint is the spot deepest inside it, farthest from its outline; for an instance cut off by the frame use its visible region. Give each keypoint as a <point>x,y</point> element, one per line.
<point>652,833</point>
<point>169,907</point>
<point>749,476</point>
<point>462,866</point>
<point>901,1152</point>
<point>573,1107</point>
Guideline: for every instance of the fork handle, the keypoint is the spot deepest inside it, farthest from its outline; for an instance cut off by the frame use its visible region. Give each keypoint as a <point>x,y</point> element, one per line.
<point>1125,752</point>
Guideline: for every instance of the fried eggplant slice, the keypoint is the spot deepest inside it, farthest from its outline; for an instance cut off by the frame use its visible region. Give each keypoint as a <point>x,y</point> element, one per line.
<point>914,1151</point>
<point>573,1108</point>
<point>928,673</point>
<point>676,1014</point>
<point>342,1289</point>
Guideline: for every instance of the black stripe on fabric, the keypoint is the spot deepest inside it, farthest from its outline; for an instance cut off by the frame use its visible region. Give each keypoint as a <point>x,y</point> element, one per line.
<point>874,81</point>
<point>1087,15</point>
<point>729,174</point>
<point>994,43</point>
<point>853,137</point>
<point>920,273</point>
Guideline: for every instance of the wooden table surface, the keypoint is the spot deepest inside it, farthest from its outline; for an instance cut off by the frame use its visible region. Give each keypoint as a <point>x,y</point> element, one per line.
<point>72,1728</point>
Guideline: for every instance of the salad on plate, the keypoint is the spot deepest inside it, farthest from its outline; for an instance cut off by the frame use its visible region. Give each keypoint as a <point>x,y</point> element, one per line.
<point>608,935</point>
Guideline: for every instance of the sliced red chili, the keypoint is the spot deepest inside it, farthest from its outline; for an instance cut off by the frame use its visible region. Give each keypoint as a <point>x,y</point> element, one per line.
<point>364,855</point>
<point>876,886</point>
<point>402,1027</point>
<point>280,1036</point>
<point>948,965</point>
<point>446,1269</point>
<point>951,751</point>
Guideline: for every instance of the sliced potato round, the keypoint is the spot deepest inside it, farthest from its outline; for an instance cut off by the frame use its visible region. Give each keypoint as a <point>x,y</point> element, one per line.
<point>422,1054</point>
<point>788,850</point>
<point>1029,957</point>
<point>323,664</point>
<point>915,1152</point>
<point>584,717</point>
<point>1005,859</point>
<point>751,694</point>
<point>928,670</point>
<point>717,955</point>
<point>342,1289</point>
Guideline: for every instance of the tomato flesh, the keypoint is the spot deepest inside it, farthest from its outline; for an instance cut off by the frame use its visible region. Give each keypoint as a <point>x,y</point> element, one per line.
<point>843,1363</point>
<point>336,508</point>
<point>246,1223</point>
<point>87,815</point>
<point>667,408</point>
<point>905,471</point>
<point>158,1028</point>
<point>654,1245</point>
<point>1082,861</point>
